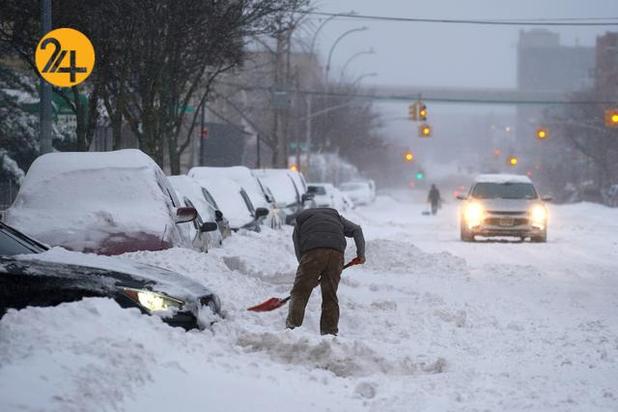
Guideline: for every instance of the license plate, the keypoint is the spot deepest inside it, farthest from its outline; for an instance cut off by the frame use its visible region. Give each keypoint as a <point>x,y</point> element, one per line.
<point>507,221</point>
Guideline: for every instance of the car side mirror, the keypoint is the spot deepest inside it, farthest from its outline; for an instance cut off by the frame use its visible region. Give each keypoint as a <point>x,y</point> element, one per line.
<point>261,212</point>
<point>547,198</point>
<point>218,216</point>
<point>461,197</point>
<point>185,214</point>
<point>307,196</point>
<point>209,227</point>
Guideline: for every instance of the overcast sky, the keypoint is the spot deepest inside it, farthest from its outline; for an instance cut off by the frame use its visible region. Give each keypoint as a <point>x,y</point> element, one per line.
<point>427,54</point>
<point>446,54</point>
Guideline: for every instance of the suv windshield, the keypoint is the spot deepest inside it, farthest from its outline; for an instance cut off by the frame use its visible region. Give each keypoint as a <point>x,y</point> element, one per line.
<point>348,187</point>
<point>504,191</point>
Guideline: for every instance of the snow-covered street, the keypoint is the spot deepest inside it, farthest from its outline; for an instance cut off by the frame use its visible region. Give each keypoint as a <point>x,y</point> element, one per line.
<point>428,323</point>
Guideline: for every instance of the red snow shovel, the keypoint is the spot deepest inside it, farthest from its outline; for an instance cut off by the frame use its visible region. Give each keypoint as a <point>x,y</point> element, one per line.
<point>275,303</point>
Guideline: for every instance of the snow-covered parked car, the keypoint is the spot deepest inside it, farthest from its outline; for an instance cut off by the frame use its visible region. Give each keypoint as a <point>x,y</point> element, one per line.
<point>303,188</point>
<point>360,192</point>
<point>234,202</point>
<point>259,195</point>
<point>33,275</point>
<point>192,195</point>
<point>503,205</point>
<point>289,197</point>
<point>327,195</point>
<point>104,202</point>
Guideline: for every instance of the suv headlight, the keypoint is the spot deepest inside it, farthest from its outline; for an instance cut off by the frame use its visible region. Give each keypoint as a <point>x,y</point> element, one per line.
<point>538,215</point>
<point>153,301</point>
<point>474,214</point>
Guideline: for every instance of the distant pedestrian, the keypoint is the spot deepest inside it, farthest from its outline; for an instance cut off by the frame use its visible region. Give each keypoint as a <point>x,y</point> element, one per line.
<point>434,199</point>
<point>319,243</point>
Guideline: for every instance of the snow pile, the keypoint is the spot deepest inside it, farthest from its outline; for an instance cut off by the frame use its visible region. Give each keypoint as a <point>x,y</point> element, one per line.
<point>253,254</point>
<point>341,357</point>
<point>384,255</point>
<point>93,352</point>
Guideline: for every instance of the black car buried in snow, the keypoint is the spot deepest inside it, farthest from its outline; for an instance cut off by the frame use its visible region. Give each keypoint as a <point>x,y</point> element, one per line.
<point>32,276</point>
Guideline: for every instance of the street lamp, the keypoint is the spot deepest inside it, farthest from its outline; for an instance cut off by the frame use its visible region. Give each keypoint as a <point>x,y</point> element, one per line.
<point>321,26</point>
<point>332,49</point>
<point>363,76</point>
<point>354,56</point>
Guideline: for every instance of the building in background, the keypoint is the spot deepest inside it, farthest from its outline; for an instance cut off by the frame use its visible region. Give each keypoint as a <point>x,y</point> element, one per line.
<point>544,64</point>
<point>606,72</point>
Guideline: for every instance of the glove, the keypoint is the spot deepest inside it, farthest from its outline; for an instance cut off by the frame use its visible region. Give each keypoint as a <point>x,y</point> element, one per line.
<point>359,260</point>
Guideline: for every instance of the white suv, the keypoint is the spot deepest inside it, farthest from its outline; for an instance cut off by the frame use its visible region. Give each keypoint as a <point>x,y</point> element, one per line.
<point>503,205</point>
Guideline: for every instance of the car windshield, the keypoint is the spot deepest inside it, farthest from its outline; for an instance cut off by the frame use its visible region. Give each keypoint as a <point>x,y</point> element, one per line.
<point>318,190</point>
<point>13,243</point>
<point>504,191</point>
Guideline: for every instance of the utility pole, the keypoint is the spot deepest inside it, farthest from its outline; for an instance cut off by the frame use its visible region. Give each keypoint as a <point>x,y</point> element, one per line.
<point>200,162</point>
<point>45,106</point>
<point>307,134</point>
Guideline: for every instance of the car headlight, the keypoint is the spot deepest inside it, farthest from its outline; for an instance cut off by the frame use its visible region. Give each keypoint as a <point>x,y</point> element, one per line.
<point>538,215</point>
<point>153,301</point>
<point>474,214</point>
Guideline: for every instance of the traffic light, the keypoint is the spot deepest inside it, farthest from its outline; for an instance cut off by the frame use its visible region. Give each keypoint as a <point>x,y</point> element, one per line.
<point>424,130</point>
<point>408,156</point>
<point>293,167</point>
<point>413,111</point>
<point>542,133</point>
<point>611,117</point>
<point>422,112</point>
<point>420,175</point>
<point>512,161</point>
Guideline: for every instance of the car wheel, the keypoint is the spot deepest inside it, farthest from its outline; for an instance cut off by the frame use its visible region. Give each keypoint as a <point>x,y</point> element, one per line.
<point>464,235</point>
<point>542,238</point>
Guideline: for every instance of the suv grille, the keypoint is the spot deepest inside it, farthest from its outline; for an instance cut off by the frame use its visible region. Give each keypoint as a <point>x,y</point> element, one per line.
<point>497,212</point>
<point>497,221</point>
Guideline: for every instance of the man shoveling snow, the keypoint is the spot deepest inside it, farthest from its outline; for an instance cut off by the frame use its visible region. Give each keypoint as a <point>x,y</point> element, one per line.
<point>319,243</point>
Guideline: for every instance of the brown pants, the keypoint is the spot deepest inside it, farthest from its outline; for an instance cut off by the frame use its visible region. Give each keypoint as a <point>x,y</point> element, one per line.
<point>321,266</point>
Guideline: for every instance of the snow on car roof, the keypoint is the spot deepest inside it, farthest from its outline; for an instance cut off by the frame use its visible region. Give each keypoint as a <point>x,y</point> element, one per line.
<point>53,164</point>
<point>240,174</point>
<point>502,178</point>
